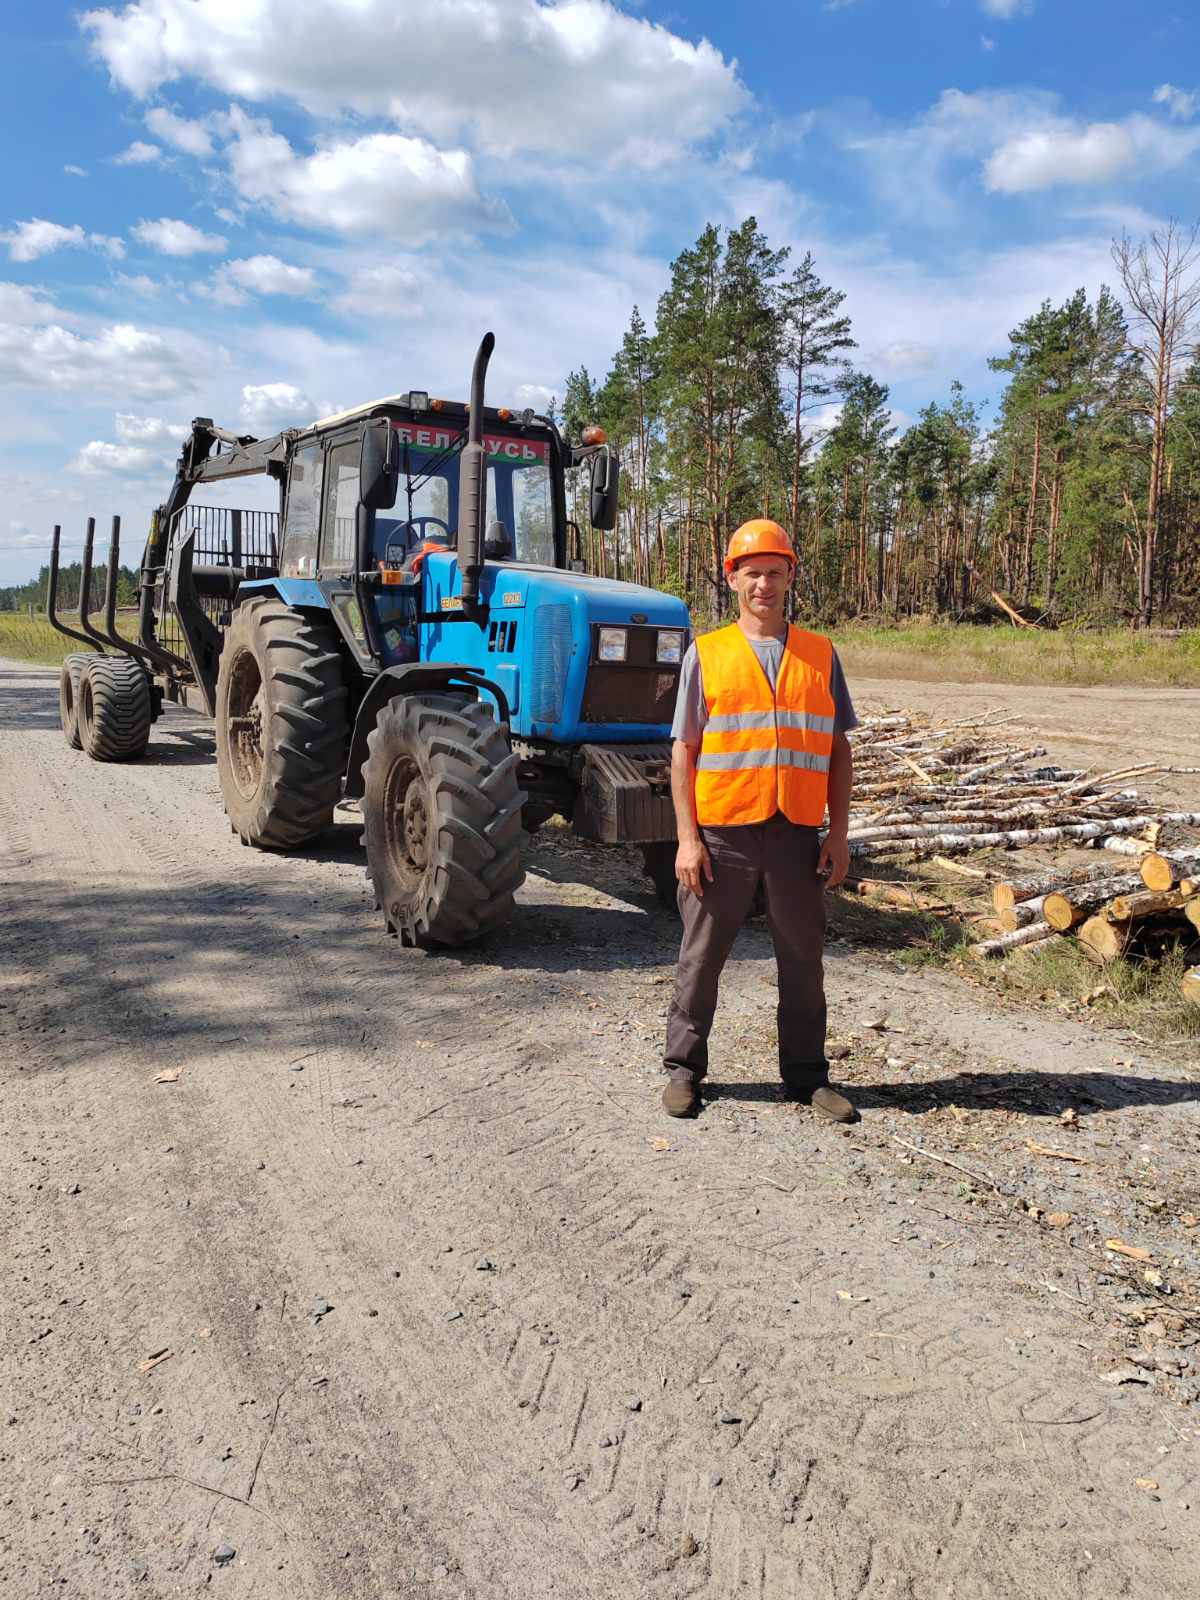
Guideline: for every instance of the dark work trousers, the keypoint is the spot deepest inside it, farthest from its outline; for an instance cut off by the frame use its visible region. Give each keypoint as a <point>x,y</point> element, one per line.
<point>782,857</point>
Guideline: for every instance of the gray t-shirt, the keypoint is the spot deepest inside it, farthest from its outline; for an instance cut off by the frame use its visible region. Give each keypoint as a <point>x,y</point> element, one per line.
<point>691,713</point>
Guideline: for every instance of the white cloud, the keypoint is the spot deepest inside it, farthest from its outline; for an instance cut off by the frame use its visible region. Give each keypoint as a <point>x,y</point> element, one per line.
<point>270,275</point>
<point>192,138</point>
<point>30,240</point>
<point>382,183</point>
<point>35,238</point>
<point>220,291</point>
<point>148,431</point>
<point>268,407</point>
<point>1067,152</point>
<point>1019,140</point>
<point>175,238</point>
<point>99,457</point>
<point>1006,10</point>
<point>21,537</point>
<point>576,78</point>
<point>121,359</point>
<point>21,306</point>
<point>138,154</point>
<point>138,283</point>
<point>1180,103</point>
<point>72,171</point>
<point>901,358</point>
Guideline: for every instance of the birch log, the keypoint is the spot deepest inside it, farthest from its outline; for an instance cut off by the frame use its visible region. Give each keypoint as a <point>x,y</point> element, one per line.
<point>1068,907</point>
<point>1145,903</point>
<point>1163,870</point>
<point>1033,934</point>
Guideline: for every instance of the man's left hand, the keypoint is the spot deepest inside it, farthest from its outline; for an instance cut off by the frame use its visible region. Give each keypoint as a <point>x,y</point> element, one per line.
<point>834,860</point>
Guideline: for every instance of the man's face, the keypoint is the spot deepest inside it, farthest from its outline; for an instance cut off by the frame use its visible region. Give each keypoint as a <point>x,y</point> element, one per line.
<point>761,584</point>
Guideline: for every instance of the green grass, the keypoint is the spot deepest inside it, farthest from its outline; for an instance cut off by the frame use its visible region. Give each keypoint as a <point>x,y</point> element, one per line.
<point>1141,995</point>
<point>967,654</point>
<point>26,638</point>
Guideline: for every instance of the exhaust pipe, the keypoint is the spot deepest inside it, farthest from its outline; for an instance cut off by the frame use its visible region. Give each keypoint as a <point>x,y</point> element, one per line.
<point>472,483</point>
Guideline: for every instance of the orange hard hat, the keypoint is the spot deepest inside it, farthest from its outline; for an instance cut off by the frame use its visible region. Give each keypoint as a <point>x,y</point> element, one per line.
<point>758,537</point>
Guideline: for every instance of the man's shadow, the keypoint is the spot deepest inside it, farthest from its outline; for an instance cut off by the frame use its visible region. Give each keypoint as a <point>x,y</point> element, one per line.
<point>1042,1094</point>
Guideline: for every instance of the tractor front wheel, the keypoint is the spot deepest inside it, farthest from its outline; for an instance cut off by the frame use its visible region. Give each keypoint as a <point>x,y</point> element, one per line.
<point>442,819</point>
<point>281,724</point>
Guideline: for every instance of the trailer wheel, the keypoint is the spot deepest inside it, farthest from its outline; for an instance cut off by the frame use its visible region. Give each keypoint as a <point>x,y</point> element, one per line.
<point>281,724</point>
<point>68,697</point>
<point>442,819</point>
<point>114,709</point>
<point>658,863</point>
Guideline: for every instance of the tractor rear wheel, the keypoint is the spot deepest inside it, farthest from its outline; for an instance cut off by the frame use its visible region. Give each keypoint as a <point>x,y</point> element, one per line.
<point>68,697</point>
<point>114,709</point>
<point>442,819</point>
<point>281,724</point>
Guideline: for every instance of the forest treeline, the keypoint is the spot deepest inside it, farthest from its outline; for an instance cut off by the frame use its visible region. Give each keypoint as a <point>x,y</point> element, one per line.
<point>1080,501</point>
<point>21,596</point>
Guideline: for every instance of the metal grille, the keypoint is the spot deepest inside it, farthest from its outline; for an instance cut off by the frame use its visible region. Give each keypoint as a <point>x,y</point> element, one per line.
<point>223,537</point>
<point>551,660</point>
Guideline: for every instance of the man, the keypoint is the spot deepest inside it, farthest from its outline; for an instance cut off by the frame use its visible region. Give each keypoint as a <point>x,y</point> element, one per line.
<point>760,751</point>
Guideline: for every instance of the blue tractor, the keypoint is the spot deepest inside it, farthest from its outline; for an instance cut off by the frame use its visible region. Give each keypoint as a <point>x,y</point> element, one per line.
<point>413,630</point>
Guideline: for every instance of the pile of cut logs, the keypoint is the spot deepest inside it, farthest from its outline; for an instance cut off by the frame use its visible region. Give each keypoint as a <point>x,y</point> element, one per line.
<point>923,789</point>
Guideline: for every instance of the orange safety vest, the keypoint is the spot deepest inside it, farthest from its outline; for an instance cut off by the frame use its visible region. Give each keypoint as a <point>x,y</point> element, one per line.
<point>764,752</point>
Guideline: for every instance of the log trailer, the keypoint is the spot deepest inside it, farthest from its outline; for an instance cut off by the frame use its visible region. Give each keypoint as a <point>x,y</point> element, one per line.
<point>413,630</point>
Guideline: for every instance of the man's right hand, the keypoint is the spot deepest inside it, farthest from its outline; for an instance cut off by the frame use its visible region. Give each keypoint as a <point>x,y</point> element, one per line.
<point>692,866</point>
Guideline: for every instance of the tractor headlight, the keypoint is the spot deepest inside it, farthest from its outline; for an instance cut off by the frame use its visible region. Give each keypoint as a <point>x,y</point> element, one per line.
<point>611,644</point>
<point>670,646</point>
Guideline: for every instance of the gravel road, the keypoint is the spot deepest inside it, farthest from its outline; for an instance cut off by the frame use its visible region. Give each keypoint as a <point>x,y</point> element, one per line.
<point>403,1284</point>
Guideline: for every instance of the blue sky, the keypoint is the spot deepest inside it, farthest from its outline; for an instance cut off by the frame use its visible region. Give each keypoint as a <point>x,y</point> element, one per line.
<point>260,210</point>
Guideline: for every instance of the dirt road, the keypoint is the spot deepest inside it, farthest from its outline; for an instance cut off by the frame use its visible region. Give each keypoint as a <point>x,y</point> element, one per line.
<point>405,1285</point>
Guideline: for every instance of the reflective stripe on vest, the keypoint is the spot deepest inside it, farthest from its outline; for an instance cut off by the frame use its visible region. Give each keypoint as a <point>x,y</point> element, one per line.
<point>763,752</point>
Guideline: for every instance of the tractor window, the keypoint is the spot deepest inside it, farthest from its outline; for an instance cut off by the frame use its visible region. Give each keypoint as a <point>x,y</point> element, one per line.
<point>299,554</point>
<point>534,514</point>
<point>341,507</point>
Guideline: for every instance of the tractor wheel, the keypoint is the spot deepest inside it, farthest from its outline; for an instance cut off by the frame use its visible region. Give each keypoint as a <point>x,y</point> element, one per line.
<point>442,819</point>
<point>114,709</point>
<point>658,863</point>
<point>281,724</point>
<point>68,697</point>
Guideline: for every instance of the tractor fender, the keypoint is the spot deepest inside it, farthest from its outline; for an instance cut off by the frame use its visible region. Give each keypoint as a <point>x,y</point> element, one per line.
<point>417,677</point>
<point>302,594</point>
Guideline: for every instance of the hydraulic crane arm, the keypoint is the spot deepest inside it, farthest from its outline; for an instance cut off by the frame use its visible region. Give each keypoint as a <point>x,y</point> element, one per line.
<point>241,456</point>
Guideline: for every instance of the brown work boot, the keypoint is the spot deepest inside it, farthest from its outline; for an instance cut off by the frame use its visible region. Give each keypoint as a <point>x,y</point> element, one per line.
<point>826,1101</point>
<point>681,1097</point>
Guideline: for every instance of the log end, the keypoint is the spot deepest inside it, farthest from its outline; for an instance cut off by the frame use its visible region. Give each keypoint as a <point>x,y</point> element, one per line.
<point>1061,912</point>
<point>1104,939</point>
<point>1157,872</point>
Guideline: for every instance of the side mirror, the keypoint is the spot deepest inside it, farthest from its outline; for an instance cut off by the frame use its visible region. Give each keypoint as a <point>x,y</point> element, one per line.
<point>379,467</point>
<point>602,507</point>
